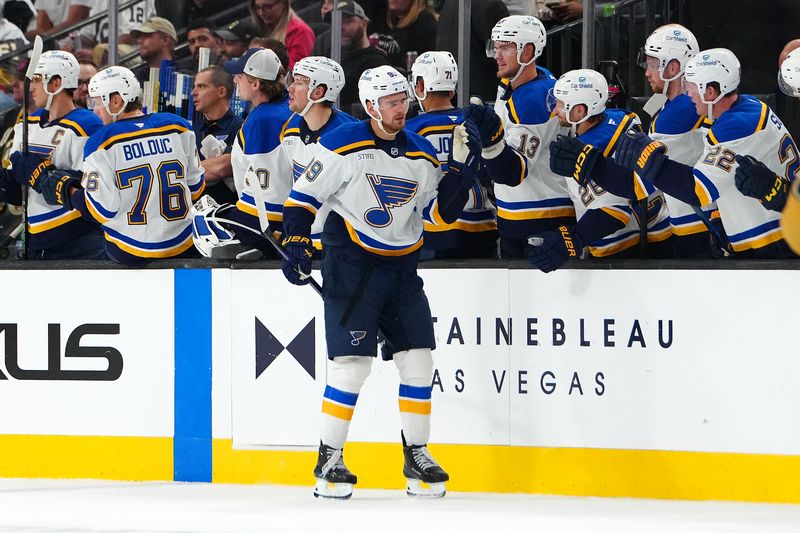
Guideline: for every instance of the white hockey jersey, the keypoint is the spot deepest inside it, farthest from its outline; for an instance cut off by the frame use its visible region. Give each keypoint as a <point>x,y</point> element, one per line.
<point>377,199</point>
<point>300,146</point>
<point>258,149</point>
<point>749,127</point>
<point>604,136</point>
<point>62,140</point>
<point>541,202</point>
<point>682,130</point>
<point>141,176</point>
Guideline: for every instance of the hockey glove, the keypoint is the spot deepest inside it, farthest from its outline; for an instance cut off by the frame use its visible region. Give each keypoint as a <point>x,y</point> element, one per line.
<point>55,185</point>
<point>572,157</point>
<point>489,127</point>
<point>640,153</point>
<point>29,169</point>
<point>465,153</point>
<point>297,268</point>
<point>10,191</point>
<point>755,180</point>
<point>207,231</point>
<point>551,249</point>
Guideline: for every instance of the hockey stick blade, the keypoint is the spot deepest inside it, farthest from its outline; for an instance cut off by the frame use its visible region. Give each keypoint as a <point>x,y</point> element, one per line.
<point>252,183</point>
<point>38,44</point>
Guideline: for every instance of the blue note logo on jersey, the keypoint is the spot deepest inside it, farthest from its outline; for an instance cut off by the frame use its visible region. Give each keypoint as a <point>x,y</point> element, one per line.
<point>391,192</point>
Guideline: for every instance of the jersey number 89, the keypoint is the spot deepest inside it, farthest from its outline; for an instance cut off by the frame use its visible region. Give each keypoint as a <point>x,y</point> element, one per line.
<point>171,192</point>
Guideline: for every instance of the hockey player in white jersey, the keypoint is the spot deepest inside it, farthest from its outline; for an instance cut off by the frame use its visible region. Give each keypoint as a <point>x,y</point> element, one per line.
<point>434,77</point>
<point>380,181</point>
<point>57,133</point>
<point>313,86</point>
<point>140,175</point>
<point>607,225</point>
<point>539,202</point>
<point>742,126</point>
<point>753,178</point>
<point>259,79</point>
<point>677,124</point>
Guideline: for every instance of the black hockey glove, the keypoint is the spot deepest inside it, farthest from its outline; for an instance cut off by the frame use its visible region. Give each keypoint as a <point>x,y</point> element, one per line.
<point>551,249</point>
<point>489,126</point>
<point>755,180</point>
<point>10,190</point>
<point>55,187</point>
<point>572,157</point>
<point>640,153</point>
<point>29,169</point>
<point>297,268</point>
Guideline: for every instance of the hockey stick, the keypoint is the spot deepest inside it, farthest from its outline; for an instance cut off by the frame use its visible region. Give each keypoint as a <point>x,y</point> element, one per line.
<point>251,182</point>
<point>34,61</point>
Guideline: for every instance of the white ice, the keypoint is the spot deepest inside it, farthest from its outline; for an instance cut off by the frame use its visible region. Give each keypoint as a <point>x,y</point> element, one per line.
<point>104,506</point>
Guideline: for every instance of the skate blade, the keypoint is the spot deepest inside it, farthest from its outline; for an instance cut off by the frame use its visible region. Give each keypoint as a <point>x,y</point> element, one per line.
<point>420,489</point>
<point>339,491</point>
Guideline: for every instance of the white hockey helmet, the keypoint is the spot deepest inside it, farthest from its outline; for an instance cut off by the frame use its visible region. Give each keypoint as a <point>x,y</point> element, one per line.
<point>375,83</point>
<point>789,74</point>
<point>520,30</point>
<point>112,80</point>
<point>582,87</point>
<point>320,71</point>
<point>667,43</point>
<point>716,65</point>
<point>57,63</point>
<point>438,70</point>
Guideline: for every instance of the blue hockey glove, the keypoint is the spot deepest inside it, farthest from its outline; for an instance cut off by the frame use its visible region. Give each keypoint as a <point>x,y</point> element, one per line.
<point>551,249</point>
<point>297,268</point>
<point>10,191</point>
<point>489,126</point>
<point>29,169</point>
<point>755,180</point>
<point>55,185</point>
<point>640,153</point>
<point>466,150</point>
<point>571,157</point>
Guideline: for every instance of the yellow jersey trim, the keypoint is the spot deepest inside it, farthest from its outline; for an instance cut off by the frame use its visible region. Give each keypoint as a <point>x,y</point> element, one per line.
<point>69,216</point>
<point>141,133</point>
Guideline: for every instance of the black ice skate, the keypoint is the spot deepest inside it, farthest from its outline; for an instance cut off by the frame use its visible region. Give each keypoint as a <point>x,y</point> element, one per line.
<point>424,475</point>
<point>334,480</point>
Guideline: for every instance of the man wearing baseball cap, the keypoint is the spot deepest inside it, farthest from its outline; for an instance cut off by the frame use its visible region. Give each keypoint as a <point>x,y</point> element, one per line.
<point>257,151</point>
<point>156,38</point>
<point>236,38</point>
<point>358,54</point>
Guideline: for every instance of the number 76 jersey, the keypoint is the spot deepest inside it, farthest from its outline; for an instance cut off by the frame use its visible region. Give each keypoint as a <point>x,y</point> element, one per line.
<point>141,176</point>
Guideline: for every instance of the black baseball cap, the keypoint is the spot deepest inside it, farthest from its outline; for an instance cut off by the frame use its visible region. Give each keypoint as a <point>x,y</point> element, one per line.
<point>241,30</point>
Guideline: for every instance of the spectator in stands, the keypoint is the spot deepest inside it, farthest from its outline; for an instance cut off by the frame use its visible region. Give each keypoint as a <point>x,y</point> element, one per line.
<point>157,38</point>
<point>358,54</point>
<point>567,10</point>
<point>201,33</point>
<point>87,69</point>
<point>276,46</point>
<point>482,69</point>
<point>276,19</point>
<point>9,31</point>
<point>413,27</point>
<point>236,38</point>
<point>216,131</point>
<point>55,15</point>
